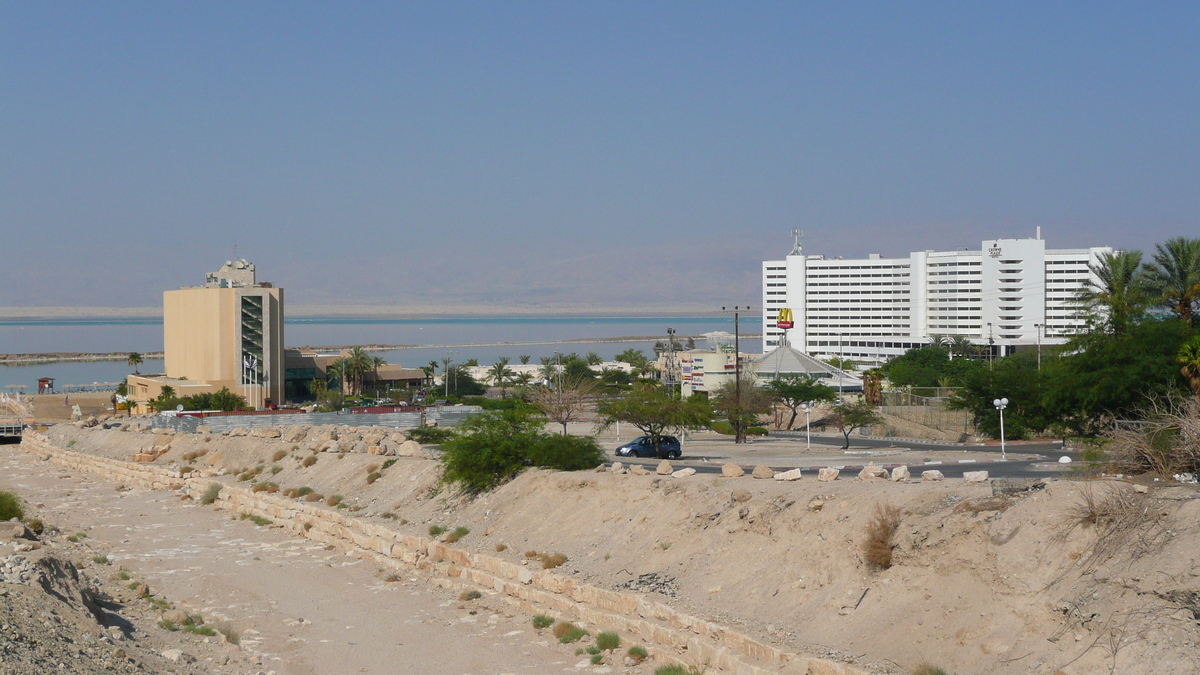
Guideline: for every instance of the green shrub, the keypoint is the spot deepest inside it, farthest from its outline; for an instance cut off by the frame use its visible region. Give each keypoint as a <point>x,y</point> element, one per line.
<point>430,435</point>
<point>470,595</point>
<point>101,560</point>
<point>542,621</point>
<point>567,632</point>
<point>388,464</point>
<point>723,427</point>
<point>928,669</point>
<point>210,495</point>
<point>638,653</point>
<point>597,659</point>
<point>373,476</point>
<point>675,669</point>
<point>279,454</point>
<point>10,506</point>
<point>309,461</point>
<point>303,491</point>
<point>206,631</point>
<point>566,453</point>
<point>458,533</point>
<point>608,640</point>
<point>436,530</point>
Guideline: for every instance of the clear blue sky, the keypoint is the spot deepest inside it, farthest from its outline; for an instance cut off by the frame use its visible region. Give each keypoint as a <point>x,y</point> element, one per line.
<point>593,153</point>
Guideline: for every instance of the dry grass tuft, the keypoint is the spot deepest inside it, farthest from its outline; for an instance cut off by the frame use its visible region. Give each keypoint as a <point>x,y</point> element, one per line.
<point>279,454</point>
<point>1125,521</point>
<point>549,562</point>
<point>985,504</point>
<point>881,535</point>
<point>373,476</point>
<point>470,595</point>
<point>309,461</point>
<point>928,669</point>
<point>500,548</point>
<point>313,497</point>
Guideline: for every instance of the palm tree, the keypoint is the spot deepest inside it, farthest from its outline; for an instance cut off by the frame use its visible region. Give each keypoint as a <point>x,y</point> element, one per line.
<point>960,345</point>
<point>873,386</point>
<point>500,373</point>
<point>1117,295</point>
<point>1189,358</point>
<point>524,359</point>
<point>359,362</point>
<point>1175,275</point>
<point>133,360</point>
<point>338,370</point>
<point>377,362</point>
<point>593,359</point>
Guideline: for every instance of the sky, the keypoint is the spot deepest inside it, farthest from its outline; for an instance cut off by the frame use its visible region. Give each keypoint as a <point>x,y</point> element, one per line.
<point>571,155</point>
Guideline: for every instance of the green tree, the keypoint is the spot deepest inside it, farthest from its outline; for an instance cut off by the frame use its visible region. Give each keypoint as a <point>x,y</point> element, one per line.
<point>134,359</point>
<point>1175,275</point>
<point>741,405</point>
<point>500,374</point>
<point>841,363</point>
<point>1118,295</point>
<point>377,362</point>
<point>462,383</point>
<point>794,389</point>
<point>166,399</point>
<point>851,415</point>
<point>925,366</point>
<point>523,358</point>
<point>653,410</point>
<point>1189,359</point>
<point>565,403</point>
<point>593,359</point>
<point>1016,378</point>
<point>358,363</point>
<point>630,356</point>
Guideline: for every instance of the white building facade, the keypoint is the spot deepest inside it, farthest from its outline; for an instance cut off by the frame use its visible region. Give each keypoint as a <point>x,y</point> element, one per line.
<point>1009,293</point>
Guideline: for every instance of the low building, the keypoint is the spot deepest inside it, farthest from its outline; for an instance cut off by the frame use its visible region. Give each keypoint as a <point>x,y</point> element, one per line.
<point>784,361</point>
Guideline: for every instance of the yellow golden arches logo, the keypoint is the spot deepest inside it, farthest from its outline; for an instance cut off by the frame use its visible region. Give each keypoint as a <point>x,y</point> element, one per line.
<point>784,320</point>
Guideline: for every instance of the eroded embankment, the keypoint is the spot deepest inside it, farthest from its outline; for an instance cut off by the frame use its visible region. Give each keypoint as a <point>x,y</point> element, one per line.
<point>746,573</point>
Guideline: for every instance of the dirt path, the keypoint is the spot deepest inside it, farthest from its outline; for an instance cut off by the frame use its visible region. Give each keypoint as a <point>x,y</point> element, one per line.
<point>301,608</point>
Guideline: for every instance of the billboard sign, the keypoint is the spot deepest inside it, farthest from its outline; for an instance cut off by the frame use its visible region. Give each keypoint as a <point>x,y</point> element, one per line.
<point>784,320</point>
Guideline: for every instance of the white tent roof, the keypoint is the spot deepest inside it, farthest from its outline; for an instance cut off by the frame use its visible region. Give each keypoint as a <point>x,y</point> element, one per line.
<point>785,360</point>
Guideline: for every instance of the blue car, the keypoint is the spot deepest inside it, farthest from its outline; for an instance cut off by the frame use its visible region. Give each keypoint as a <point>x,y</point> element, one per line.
<point>643,446</point>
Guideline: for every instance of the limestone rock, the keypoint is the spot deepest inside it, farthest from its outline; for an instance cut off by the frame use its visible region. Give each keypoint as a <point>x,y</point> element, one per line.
<point>827,474</point>
<point>932,474</point>
<point>664,468</point>
<point>975,476</point>
<point>409,449</point>
<point>763,471</point>
<point>872,472</point>
<point>1141,489</point>
<point>375,450</point>
<point>175,616</point>
<point>900,474</point>
<point>684,473</point>
<point>816,504</point>
<point>295,434</point>
<point>638,470</point>
<point>617,467</point>
<point>740,495</point>
<point>793,474</point>
<point>732,470</point>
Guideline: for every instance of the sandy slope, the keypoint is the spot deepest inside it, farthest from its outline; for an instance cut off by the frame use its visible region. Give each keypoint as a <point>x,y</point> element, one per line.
<point>981,584</point>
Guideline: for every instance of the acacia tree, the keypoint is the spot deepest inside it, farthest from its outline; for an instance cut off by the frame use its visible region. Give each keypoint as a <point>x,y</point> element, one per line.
<point>741,405</point>
<point>851,415</point>
<point>564,404</point>
<point>794,389</point>
<point>653,410</point>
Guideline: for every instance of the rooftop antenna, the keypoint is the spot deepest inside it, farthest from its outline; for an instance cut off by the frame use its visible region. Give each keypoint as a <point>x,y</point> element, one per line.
<point>797,235</point>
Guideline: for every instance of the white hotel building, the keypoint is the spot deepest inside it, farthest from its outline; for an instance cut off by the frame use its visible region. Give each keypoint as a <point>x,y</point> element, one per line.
<point>1009,293</point>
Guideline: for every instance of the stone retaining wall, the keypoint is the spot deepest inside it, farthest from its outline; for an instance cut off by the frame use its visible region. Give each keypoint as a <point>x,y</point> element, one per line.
<point>672,636</point>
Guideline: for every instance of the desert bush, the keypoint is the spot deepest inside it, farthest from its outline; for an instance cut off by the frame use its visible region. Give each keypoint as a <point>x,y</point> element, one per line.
<point>373,476</point>
<point>436,530</point>
<point>1166,442</point>
<point>676,669</point>
<point>279,454</point>
<point>608,641</point>
<point>566,453</point>
<point>638,653</point>
<point>387,464</point>
<point>334,500</point>
<point>206,631</point>
<point>881,535</point>
<point>458,533</point>
<point>470,595</point>
<point>567,632</point>
<point>541,621</point>
<point>372,468</point>
<point>389,515</point>
<point>500,548</point>
<point>549,562</point>
<point>725,428</point>
<point>597,659</point>
<point>430,435</point>
<point>928,669</point>
<point>1124,521</point>
<point>167,624</point>
<point>186,469</point>
<point>309,461</point>
<point>10,506</point>
<point>531,554</point>
<point>231,634</point>
<point>303,491</point>
<point>313,497</point>
<point>275,469</point>
<point>122,575</point>
<point>101,560</point>
<point>210,495</point>
<point>35,525</point>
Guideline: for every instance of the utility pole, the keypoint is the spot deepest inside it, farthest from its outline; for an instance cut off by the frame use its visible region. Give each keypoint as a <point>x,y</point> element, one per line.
<point>737,369</point>
<point>1038,326</point>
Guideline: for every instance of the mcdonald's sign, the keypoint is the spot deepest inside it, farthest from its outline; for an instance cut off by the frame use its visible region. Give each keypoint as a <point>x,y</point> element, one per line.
<point>784,320</point>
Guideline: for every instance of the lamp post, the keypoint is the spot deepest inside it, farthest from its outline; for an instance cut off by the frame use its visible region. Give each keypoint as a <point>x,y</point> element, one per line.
<point>807,407</point>
<point>1001,404</point>
<point>1038,326</point>
<point>737,368</point>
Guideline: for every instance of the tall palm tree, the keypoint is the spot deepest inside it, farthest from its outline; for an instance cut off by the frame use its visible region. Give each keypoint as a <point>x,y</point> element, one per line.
<point>377,362</point>
<point>1175,275</point>
<point>1189,358</point>
<point>337,370</point>
<point>593,359</point>
<point>500,374</point>
<point>359,362</point>
<point>524,359</point>
<point>133,360</point>
<point>1117,295</point>
<point>960,345</point>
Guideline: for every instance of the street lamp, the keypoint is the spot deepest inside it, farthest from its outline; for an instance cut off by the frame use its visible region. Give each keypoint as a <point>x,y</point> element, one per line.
<point>1038,326</point>
<point>1001,404</point>
<point>807,407</point>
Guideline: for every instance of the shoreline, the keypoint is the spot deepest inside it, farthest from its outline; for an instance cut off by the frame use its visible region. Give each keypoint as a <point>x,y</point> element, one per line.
<point>372,312</point>
<point>62,357</point>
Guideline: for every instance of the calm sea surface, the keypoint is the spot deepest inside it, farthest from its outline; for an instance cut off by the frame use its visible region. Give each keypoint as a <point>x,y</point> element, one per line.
<point>145,335</point>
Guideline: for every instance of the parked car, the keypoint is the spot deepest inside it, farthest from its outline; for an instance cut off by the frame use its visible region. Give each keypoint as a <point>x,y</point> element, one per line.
<point>643,446</point>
